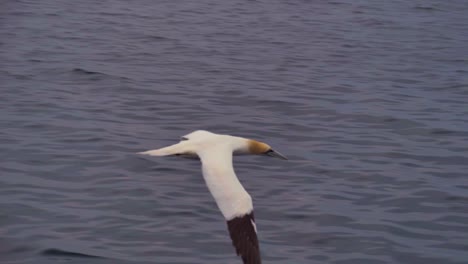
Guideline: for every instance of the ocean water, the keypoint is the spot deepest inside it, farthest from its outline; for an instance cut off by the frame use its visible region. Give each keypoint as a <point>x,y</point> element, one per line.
<point>368,99</point>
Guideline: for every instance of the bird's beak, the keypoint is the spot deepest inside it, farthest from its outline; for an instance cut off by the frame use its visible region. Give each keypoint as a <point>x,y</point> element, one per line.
<point>274,153</point>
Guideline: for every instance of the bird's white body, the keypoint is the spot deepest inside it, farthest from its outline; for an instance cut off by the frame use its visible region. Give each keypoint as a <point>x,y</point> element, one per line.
<point>215,152</point>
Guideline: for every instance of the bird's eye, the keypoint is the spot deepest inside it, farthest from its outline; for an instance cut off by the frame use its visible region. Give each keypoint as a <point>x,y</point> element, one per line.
<point>269,151</point>
<point>183,138</point>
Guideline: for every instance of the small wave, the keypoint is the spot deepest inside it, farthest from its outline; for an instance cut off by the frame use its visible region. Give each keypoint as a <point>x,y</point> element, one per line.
<point>426,8</point>
<point>154,37</point>
<point>96,74</point>
<point>59,252</point>
<point>83,71</point>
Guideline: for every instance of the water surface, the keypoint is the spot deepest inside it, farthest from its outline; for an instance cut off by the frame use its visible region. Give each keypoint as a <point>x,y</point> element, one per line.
<point>367,99</point>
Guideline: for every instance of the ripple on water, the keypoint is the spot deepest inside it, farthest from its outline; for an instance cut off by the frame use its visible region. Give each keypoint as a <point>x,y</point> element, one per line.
<point>367,100</point>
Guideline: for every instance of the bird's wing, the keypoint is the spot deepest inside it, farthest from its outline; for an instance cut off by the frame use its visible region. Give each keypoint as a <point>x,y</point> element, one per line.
<point>233,201</point>
<point>244,238</point>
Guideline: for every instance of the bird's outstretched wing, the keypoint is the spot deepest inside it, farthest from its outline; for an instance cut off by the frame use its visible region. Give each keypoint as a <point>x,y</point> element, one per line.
<point>233,201</point>
<point>243,233</point>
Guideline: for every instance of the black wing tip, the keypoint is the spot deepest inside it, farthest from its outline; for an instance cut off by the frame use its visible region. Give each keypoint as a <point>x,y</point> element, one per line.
<point>244,238</point>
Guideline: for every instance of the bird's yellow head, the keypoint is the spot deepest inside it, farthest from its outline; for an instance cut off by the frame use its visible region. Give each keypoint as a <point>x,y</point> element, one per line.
<point>259,148</point>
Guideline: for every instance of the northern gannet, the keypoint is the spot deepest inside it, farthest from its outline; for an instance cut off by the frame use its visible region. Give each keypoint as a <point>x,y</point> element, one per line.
<point>215,152</point>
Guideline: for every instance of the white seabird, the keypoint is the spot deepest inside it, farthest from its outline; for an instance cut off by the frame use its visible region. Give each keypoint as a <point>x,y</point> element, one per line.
<point>215,152</point>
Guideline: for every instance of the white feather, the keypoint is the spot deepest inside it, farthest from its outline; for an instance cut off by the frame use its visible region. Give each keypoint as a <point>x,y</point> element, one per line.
<point>230,196</point>
<point>215,152</point>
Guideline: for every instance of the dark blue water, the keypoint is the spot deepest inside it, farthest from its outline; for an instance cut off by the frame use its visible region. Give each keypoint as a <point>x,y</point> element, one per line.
<point>368,99</point>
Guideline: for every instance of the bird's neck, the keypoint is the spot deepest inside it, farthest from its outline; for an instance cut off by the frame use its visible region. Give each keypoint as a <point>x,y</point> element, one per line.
<point>240,146</point>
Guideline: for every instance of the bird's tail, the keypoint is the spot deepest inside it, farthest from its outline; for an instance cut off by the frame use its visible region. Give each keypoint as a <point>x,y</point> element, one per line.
<point>180,148</point>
